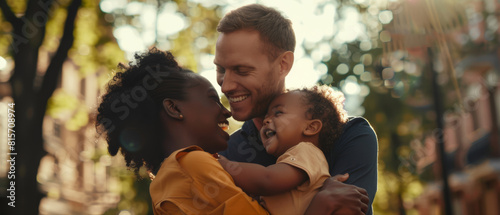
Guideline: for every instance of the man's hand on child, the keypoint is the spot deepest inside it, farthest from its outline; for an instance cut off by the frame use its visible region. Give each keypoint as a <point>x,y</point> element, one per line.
<point>336,197</point>
<point>341,178</point>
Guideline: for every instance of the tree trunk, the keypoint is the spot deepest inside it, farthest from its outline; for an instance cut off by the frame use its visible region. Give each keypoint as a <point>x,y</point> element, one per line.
<point>30,97</point>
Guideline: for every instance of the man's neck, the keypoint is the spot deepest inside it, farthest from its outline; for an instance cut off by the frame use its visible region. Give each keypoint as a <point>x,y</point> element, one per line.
<point>258,122</point>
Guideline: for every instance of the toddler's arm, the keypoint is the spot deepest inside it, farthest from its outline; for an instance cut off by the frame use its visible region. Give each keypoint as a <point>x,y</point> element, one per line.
<point>259,180</point>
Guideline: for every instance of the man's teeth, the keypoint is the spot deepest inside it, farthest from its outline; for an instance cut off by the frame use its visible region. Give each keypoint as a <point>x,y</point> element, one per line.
<point>224,126</point>
<point>270,133</point>
<point>237,99</point>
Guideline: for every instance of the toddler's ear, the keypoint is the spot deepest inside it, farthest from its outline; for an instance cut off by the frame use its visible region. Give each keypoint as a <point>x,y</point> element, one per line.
<point>313,127</point>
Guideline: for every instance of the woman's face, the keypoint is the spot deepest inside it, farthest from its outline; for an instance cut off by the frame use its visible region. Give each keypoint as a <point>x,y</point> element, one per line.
<point>205,117</point>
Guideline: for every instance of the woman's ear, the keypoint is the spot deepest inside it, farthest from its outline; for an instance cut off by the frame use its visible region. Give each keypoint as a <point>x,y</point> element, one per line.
<point>313,127</point>
<point>170,107</point>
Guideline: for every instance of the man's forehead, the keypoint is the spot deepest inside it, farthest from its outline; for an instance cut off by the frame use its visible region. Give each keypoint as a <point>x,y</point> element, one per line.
<point>236,39</point>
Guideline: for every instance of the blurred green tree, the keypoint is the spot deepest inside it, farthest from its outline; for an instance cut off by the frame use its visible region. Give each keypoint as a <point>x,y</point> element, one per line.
<point>30,94</point>
<point>60,30</point>
<point>393,95</point>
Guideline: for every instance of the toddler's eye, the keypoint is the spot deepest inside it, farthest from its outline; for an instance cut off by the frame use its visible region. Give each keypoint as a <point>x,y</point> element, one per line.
<point>278,113</point>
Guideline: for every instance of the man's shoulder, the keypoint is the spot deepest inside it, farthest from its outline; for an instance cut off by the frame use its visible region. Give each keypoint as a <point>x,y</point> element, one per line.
<point>357,124</point>
<point>357,120</point>
<point>357,133</point>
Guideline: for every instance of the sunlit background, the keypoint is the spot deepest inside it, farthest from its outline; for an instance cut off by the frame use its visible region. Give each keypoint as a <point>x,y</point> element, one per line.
<point>382,54</point>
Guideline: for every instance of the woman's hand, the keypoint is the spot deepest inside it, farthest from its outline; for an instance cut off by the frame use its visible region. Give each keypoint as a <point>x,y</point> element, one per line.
<point>335,197</point>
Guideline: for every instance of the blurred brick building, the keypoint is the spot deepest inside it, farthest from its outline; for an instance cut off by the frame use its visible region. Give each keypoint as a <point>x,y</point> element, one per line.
<point>465,37</point>
<point>472,145</point>
<point>75,173</point>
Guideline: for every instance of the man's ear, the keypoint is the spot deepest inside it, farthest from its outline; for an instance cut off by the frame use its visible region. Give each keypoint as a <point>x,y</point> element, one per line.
<point>286,63</point>
<point>313,127</point>
<point>170,107</point>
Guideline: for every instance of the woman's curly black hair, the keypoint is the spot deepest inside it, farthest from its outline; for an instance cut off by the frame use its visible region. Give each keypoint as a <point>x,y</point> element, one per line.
<point>129,114</point>
<point>326,105</point>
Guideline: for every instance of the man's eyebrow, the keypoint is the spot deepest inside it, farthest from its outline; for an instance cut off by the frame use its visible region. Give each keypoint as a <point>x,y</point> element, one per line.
<point>237,66</point>
<point>243,66</point>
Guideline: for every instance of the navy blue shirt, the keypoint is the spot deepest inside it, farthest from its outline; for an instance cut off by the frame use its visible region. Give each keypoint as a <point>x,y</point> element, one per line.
<point>355,152</point>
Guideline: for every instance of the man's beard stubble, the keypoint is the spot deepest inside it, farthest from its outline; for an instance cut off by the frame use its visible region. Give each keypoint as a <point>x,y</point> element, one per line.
<point>267,94</point>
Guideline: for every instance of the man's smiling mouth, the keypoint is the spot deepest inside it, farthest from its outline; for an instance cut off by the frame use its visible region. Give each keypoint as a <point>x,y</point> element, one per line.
<point>236,99</point>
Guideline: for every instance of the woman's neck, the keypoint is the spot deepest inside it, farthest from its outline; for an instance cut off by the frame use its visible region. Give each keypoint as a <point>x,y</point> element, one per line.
<point>177,139</point>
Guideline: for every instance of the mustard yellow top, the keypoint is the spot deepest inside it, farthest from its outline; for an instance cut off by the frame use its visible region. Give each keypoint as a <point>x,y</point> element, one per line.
<point>192,181</point>
<point>305,156</point>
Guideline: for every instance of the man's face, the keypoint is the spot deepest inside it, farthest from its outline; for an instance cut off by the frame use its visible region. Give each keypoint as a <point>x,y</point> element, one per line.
<point>246,75</point>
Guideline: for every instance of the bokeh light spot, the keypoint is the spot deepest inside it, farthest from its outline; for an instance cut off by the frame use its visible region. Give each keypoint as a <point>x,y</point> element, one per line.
<point>366,77</point>
<point>387,73</point>
<point>170,23</point>
<point>327,79</point>
<point>358,69</point>
<point>351,87</point>
<point>385,16</point>
<point>3,63</point>
<point>367,59</point>
<point>365,45</point>
<point>385,36</point>
<point>342,69</point>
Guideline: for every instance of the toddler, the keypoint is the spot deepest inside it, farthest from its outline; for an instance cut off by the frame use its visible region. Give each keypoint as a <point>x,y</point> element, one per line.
<point>299,127</point>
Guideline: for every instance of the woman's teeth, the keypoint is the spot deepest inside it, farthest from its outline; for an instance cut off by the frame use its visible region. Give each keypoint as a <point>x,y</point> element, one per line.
<point>224,126</point>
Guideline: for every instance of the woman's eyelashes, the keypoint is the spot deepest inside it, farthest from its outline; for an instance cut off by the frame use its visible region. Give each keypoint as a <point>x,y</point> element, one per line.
<point>216,98</point>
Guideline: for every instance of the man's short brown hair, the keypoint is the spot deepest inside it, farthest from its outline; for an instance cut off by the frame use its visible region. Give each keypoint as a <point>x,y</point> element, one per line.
<point>275,30</point>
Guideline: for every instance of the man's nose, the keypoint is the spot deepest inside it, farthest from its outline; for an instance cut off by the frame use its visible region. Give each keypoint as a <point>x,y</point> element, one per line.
<point>226,82</point>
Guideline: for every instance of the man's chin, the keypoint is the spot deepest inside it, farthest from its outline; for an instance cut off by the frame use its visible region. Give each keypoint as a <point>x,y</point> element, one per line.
<point>241,117</point>
<point>244,114</point>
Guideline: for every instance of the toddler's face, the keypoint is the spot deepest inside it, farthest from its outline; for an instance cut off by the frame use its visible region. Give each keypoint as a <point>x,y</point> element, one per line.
<point>284,123</point>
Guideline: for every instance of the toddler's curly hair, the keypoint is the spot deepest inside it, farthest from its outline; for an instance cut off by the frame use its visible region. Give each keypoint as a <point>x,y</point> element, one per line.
<point>327,105</point>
